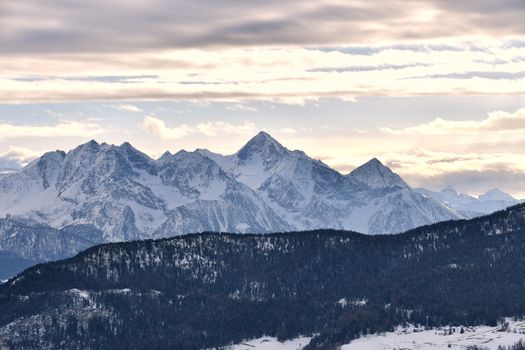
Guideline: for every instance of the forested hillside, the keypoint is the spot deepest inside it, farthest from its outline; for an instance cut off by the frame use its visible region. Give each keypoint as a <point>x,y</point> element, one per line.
<point>208,290</point>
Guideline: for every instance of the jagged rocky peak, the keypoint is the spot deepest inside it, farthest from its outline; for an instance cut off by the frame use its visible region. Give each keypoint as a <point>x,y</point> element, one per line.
<point>84,151</point>
<point>374,174</point>
<point>185,155</point>
<point>194,164</point>
<point>91,145</point>
<point>126,147</point>
<point>207,153</point>
<point>136,157</point>
<point>48,157</point>
<point>262,144</point>
<point>165,157</point>
<point>495,194</point>
<point>93,150</point>
<point>46,167</point>
<point>91,160</point>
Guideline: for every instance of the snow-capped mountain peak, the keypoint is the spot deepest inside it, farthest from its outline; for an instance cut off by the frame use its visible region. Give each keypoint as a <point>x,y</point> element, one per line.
<point>165,157</point>
<point>309,194</point>
<point>375,175</point>
<point>264,187</point>
<point>137,158</point>
<point>262,144</point>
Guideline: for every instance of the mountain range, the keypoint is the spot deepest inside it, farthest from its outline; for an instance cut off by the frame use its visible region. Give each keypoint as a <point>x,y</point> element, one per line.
<point>209,290</point>
<point>63,202</point>
<point>470,206</point>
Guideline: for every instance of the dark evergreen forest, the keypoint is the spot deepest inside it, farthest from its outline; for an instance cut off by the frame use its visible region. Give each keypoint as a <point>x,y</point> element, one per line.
<point>210,290</point>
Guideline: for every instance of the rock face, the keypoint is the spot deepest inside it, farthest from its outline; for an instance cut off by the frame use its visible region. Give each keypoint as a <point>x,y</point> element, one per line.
<point>204,291</point>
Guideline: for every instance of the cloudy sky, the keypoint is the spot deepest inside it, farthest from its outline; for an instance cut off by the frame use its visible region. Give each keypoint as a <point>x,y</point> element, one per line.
<point>435,89</point>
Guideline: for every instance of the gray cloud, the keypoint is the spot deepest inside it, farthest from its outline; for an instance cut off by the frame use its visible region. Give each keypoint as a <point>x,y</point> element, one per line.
<point>58,26</point>
<point>419,47</point>
<point>368,68</point>
<point>497,16</point>
<point>493,75</point>
<point>127,79</point>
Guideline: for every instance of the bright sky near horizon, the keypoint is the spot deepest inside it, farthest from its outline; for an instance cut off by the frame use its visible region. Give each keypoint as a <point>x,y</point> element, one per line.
<point>435,89</point>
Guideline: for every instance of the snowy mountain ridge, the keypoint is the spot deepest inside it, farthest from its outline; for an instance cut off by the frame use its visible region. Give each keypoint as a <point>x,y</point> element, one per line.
<point>128,195</point>
<point>309,194</point>
<point>264,187</point>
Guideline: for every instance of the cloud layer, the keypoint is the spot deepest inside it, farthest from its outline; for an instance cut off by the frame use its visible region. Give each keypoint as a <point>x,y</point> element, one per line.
<point>158,127</point>
<point>290,75</point>
<point>15,157</point>
<point>64,128</point>
<point>247,54</point>
<point>120,26</point>
<point>498,121</point>
<point>287,51</point>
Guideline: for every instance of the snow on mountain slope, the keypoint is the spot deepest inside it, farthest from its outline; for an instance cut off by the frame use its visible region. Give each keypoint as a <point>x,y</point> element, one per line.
<point>128,195</point>
<point>217,202</point>
<point>375,175</point>
<point>264,187</point>
<point>470,206</point>
<point>40,242</point>
<point>308,194</point>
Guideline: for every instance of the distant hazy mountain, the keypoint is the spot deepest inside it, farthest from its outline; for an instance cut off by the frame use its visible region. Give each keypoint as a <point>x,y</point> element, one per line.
<point>470,206</point>
<point>204,291</point>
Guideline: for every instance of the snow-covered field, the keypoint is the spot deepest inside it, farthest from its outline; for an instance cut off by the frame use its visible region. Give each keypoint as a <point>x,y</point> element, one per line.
<point>269,343</point>
<point>411,338</point>
<point>443,338</point>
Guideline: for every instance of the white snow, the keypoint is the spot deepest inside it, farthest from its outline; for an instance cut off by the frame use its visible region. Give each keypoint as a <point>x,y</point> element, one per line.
<point>309,195</point>
<point>262,188</point>
<point>412,338</point>
<point>374,174</point>
<point>409,338</point>
<point>270,343</point>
